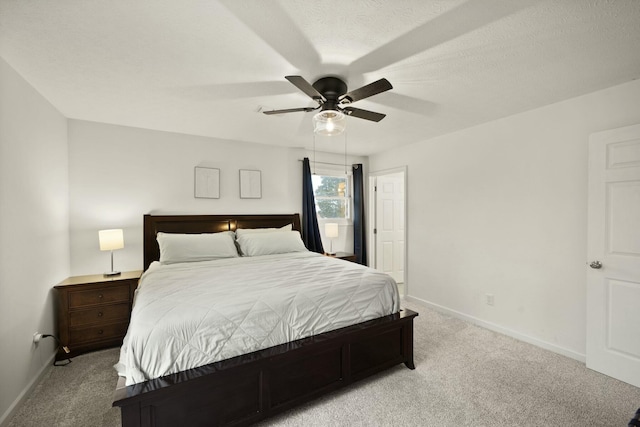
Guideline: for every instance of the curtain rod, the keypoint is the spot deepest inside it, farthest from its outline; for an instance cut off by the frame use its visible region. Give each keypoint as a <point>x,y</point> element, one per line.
<point>323,163</point>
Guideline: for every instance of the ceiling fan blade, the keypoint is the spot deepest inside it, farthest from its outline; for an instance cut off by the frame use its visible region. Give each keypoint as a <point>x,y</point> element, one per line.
<point>290,110</point>
<point>371,89</point>
<point>306,87</point>
<point>363,114</point>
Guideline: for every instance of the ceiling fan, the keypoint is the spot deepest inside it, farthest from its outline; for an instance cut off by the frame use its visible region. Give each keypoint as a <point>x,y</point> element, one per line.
<point>331,95</point>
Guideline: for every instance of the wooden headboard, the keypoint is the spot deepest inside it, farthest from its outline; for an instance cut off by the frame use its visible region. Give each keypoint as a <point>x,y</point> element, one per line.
<point>194,224</point>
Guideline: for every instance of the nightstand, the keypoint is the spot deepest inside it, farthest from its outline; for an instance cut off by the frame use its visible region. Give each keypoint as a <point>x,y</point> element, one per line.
<point>344,255</point>
<point>93,311</point>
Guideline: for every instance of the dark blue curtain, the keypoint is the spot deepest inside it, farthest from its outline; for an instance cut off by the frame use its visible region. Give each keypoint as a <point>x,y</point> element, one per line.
<point>359,230</point>
<point>310,229</point>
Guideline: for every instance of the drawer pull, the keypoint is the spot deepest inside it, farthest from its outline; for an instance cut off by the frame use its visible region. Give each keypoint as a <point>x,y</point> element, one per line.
<point>100,332</point>
<point>100,296</point>
<point>99,314</point>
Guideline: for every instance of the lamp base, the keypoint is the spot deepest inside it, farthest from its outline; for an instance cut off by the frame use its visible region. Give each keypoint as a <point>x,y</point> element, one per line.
<point>112,272</point>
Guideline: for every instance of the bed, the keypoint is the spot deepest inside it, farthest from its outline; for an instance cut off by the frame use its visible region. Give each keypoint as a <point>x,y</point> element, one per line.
<point>237,387</point>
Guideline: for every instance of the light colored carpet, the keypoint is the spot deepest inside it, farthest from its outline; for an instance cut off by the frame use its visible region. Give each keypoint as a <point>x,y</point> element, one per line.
<point>74,395</point>
<point>465,376</point>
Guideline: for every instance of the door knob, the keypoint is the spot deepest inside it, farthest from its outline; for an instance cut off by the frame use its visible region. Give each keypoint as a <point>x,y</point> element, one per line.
<point>595,264</point>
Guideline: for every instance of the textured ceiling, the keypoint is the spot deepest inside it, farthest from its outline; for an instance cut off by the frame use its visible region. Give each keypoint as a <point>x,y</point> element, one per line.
<point>207,67</point>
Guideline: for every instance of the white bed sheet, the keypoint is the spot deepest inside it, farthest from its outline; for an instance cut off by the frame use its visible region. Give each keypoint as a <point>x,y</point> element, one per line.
<point>192,314</point>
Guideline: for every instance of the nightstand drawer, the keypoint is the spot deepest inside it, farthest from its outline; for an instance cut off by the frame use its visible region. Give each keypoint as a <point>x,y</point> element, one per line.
<point>100,332</point>
<point>106,294</point>
<point>103,314</point>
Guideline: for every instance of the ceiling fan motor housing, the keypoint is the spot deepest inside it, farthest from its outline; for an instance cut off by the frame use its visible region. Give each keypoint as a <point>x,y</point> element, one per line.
<point>331,88</point>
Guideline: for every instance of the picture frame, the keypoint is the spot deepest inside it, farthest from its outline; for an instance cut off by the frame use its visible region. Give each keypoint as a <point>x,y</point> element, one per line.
<point>250,184</point>
<point>206,183</point>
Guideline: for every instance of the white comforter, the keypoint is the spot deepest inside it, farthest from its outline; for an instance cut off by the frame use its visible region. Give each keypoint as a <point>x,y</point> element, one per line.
<point>191,314</point>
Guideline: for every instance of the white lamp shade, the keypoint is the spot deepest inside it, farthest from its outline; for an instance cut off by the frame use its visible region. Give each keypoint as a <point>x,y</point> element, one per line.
<point>331,230</point>
<point>111,239</point>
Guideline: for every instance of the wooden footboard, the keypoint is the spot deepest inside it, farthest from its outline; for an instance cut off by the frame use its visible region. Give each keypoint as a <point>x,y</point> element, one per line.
<point>251,387</point>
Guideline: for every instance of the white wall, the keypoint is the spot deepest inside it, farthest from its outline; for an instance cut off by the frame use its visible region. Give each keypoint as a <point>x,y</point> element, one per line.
<point>117,174</point>
<point>34,230</point>
<point>501,208</point>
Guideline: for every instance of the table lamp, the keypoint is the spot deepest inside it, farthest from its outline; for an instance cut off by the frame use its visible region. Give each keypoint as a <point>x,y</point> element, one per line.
<point>111,240</point>
<point>331,231</point>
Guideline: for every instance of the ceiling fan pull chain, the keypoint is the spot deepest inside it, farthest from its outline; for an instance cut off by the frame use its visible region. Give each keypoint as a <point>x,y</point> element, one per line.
<point>345,152</point>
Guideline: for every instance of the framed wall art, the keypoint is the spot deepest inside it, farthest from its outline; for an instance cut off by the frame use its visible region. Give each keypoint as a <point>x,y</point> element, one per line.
<point>250,184</point>
<point>207,183</point>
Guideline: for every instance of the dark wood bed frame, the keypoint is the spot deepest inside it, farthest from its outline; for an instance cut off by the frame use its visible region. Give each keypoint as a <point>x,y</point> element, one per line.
<point>248,388</point>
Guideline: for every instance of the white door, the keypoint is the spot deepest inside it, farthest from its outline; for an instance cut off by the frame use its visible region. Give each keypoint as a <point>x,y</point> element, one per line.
<point>390,225</point>
<point>613,279</point>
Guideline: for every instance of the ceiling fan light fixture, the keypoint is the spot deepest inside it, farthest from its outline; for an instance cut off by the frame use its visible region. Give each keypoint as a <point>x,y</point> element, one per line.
<point>329,123</point>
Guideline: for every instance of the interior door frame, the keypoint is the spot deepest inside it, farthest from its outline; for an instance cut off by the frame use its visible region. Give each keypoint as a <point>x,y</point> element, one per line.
<point>371,236</point>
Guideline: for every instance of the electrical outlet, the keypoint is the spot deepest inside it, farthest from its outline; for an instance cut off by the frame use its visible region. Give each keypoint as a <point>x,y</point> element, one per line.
<point>37,337</point>
<point>488,298</point>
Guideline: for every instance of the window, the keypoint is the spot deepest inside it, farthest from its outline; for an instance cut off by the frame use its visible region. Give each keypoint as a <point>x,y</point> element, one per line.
<point>333,196</point>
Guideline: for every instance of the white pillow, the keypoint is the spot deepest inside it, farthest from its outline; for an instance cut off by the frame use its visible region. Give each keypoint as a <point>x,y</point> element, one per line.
<point>195,247</point>
<point>241,231</point>
<point>269,243</point>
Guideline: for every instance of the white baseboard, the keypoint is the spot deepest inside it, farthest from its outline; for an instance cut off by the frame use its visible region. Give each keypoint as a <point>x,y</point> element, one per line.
<point>26,392</point>
<point>502,330</point>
